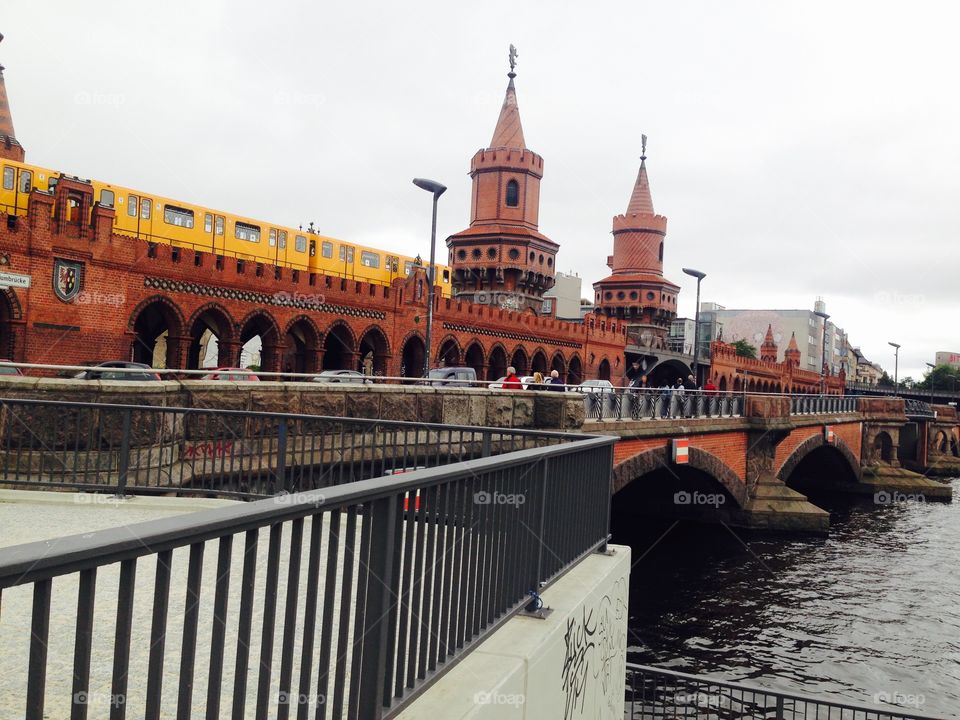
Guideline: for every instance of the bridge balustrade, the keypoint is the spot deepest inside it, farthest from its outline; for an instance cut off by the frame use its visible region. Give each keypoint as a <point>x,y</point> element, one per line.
<point>658,693</point>
<point>405,574</point>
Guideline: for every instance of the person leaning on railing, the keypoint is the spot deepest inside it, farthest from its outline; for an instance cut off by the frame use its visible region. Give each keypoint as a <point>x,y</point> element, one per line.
<point>555,382</point>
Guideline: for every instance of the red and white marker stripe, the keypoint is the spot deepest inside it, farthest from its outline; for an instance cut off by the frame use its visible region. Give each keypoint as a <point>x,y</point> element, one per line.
<point>681,451</point>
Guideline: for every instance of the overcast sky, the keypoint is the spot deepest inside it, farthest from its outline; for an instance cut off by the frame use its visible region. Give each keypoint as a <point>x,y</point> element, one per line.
<point>799,149</point>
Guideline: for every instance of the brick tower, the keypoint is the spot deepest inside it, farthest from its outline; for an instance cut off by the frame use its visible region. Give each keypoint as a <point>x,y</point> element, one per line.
<point>791,355</point>
<point>502,258</point>
<point>636,291</point>
<point>10,149</point>
<point>769,349</point>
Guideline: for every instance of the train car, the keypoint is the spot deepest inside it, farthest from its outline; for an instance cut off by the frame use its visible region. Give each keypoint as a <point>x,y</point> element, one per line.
<point>173,222</point>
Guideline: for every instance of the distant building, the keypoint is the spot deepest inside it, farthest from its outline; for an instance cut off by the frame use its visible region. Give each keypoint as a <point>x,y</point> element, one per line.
<point>948,358</point>
<point>564,297</point>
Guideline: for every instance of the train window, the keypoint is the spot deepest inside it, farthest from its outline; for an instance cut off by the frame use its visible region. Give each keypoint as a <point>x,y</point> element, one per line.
<point>301,243</point>
<point>369,259</point>
<point>283,239</point>
<point>326,249</point>
<point>273,237</point>
<point>132,205</point>
<point>407,267</point>
<point>313,248</point>
<point>181,217</point>
<point>245,231</point>
<point>207,222</point>
<point>145,208</point>
<point>25,180</point>
<point>8,178</point>
<point>107,198</point>
<point>219,225</point>
<point>346,253</point>
<point>446,276</point>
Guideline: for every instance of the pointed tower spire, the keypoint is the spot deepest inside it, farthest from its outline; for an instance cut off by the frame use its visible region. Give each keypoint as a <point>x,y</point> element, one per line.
<point>792,354</point>
<point>9,147</point>
<point>768,351</point>
<point>509,131</point>
<point>640,200</point>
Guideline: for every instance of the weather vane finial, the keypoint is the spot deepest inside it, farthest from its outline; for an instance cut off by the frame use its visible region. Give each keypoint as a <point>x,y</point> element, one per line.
<point>513,60</point>
<point>643,146</point>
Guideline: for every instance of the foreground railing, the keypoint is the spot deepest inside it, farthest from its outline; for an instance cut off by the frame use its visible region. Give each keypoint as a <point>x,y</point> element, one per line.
<point>822,404</point>
<point>656,694</point>
<point>194,451</point>
<point>345,603</point>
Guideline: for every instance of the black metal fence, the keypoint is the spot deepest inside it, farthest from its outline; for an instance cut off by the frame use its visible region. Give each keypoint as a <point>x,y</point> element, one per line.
<point>333,603</point>
<point>193,451</point>
<point>822,404</point>
<point>656,694</point>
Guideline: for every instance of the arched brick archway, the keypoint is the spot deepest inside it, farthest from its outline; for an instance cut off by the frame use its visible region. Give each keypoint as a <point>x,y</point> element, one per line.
<point>538,363</point>
<point>498,362</point>
<point>301,345</point>
<point>412,353</point>
<point>520,360</point>
<point>474,357</point>
<point>559,364</point>
<point>211,324</point>
<point>575,371</point>
<point>634,468</point>
<point>157,328</point>
<point>813,442</point>
<point>449,353</point>
<point>374,351</point>
<point>603,371</point>
<point>260,324</point>
<point>339,348</point>
<point>10,315</point>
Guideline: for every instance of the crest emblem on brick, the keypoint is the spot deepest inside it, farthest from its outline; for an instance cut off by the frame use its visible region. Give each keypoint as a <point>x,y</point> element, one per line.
<point>67,277</point>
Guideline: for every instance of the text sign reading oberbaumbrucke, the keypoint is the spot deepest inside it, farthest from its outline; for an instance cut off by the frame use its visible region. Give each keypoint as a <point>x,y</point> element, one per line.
<point>14,280</point>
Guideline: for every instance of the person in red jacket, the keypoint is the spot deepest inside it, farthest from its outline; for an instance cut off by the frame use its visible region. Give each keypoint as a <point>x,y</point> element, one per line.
<point>511,381</point>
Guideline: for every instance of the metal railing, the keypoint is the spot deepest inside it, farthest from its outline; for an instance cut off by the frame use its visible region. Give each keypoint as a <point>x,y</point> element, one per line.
<point>918,409</point>
<point>656,694</point>
<point>228,453</point>
<point>345,602</point>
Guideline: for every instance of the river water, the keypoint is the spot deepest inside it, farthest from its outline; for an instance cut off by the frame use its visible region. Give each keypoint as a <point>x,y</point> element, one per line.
<point>868,614</point>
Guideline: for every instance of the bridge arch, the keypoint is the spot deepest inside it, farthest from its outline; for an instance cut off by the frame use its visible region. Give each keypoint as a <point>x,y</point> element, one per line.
<point>259,325</point>
<point>449,352</point>
<point>658,459</point>
<point>301,343</point>
<point>210,324</point>
<point>412,351</point>
<point>520,360</point>
<point>474,357</point>
<point>498,362</point>
<point>374,347</point>
<point>157,325</point>
<point>559,364</point>
<point>667,372</point>
<point>339,347</point>
<point>816,454</point>
<point>575,370</point>
<point>538,363</point>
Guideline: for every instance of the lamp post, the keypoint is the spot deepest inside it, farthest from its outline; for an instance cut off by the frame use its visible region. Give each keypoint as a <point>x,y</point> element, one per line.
<point>931,366</point>
<point>896,367</point>
<point>696,325</point>
<point>437,189</point>
<point>823,368</point>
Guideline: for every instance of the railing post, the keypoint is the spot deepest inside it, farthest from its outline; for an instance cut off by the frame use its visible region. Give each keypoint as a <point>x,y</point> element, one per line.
<point>282,454</point>
<point>123,466</point>
<point>543,516</point>
<point>485,444</point>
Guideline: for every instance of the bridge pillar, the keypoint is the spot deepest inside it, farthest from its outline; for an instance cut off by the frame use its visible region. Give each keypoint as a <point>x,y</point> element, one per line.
<point>941,442</point>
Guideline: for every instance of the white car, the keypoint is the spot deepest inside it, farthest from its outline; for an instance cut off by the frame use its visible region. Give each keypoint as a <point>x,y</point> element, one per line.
<point>349,377</point>
<point>595,386</point>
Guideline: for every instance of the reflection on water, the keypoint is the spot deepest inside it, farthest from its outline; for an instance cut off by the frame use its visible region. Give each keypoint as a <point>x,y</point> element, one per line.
<point>872,610</point>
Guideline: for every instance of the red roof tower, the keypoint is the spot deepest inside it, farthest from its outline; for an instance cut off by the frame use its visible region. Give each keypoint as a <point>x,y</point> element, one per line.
<point>769,349</point>
<point>502,258</point>
<point>10,148</point>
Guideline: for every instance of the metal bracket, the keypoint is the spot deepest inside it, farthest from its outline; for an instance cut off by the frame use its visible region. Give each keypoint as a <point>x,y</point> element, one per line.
<point>541,614</point>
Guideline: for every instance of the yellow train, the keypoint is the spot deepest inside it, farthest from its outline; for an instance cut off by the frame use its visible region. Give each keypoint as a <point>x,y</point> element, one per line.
<point>172,222</point>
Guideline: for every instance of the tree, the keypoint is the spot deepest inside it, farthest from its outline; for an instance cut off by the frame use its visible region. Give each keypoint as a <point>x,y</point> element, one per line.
<point>745,349</point>
<point>942,377</point>
<point>907,383</point>
<point>885,380</point>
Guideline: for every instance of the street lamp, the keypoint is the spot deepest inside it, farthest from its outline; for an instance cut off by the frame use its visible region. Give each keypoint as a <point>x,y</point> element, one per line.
<point>824,366</point>
<point>696,325</point>
<point>896,367</point>
<point>437,189</point>
<point>931,366</point>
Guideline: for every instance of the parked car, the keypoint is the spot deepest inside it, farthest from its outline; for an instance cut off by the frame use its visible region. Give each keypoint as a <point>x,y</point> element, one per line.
<point>9,369</point>
<point>594,386</point>
<point>349,377</point>
<point>525,380</point>
<point>109,371</point>
<point>452,377</point>
<point>233,374</point>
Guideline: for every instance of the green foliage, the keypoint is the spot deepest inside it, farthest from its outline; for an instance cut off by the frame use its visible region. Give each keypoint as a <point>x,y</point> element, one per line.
<point>942,377</point>
<point>885,380</point>
<point>745,349</point>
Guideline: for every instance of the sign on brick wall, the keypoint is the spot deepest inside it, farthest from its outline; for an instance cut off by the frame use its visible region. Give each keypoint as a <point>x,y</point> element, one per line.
<point>681,450</point>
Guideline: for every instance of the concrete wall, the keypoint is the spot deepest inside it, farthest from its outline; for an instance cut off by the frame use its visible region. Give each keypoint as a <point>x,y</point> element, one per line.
<point>450,406</point>
<point>569,665</point>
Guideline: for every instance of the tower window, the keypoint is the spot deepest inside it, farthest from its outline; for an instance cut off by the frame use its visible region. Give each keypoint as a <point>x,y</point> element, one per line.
<point>661,252</point>
<point>513,193</point>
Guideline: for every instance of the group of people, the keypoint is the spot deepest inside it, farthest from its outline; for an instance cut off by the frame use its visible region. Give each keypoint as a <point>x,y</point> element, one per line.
<point>636,380</point>
<point>539,382</point>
